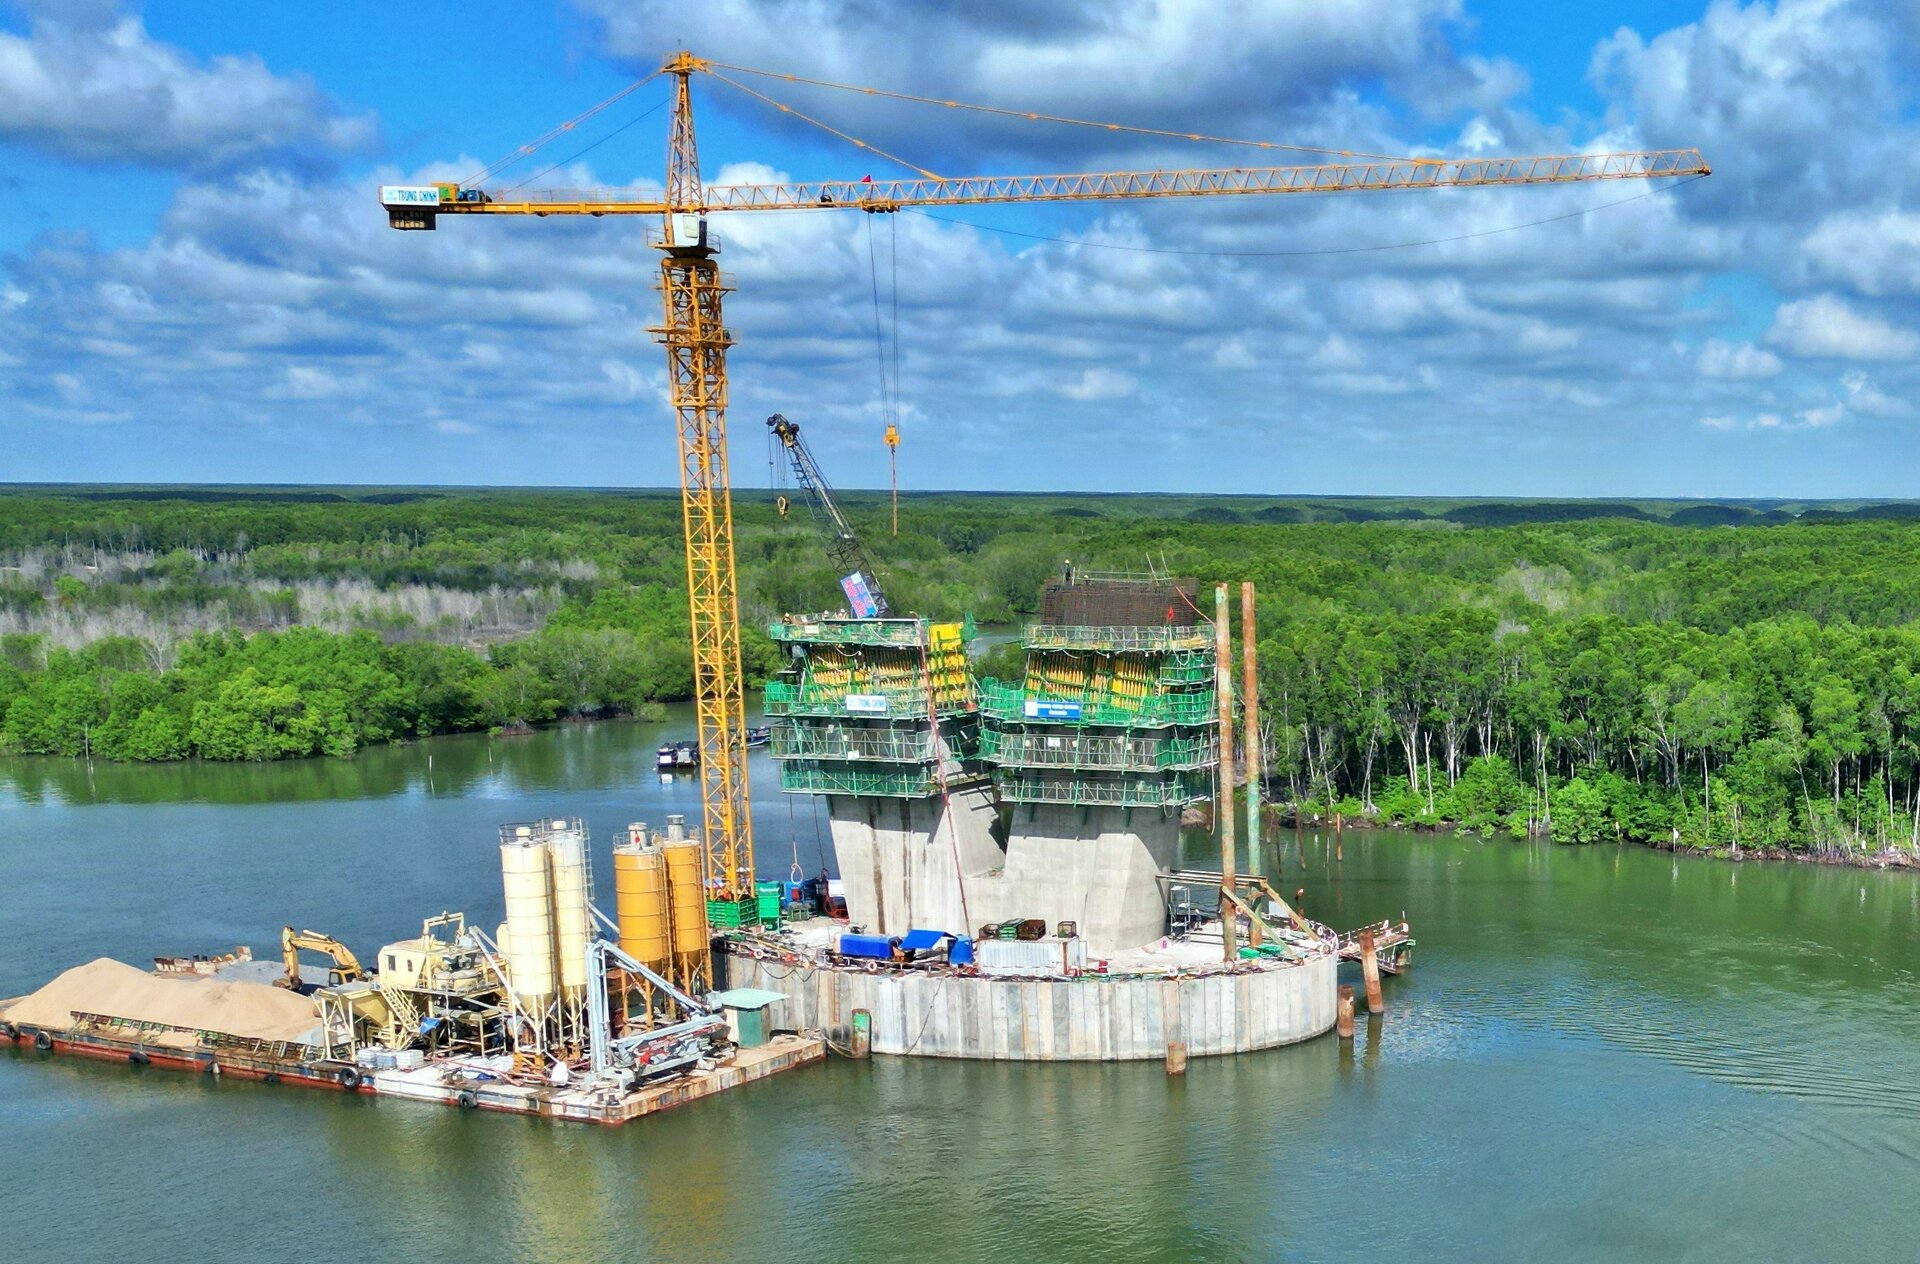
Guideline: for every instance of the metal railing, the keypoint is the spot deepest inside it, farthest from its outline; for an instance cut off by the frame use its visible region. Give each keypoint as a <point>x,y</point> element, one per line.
<point>892,744</point>
<point>904,633</point>
<point>835,630</point>
<point>1007,703</point>
<point>1186,667</point>
<point>1175,790</point>
<point>1041,636</point>
<point>1096,752</point>
<point>812,778</point>
<point>784,698</point>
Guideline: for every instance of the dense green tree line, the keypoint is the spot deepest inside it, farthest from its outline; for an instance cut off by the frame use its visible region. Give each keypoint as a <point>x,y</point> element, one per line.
<point>274,695</point>
<point>1783,733</point>
<point>1720,673</point>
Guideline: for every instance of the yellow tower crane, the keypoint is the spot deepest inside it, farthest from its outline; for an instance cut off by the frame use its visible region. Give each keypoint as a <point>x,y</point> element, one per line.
<point>697,339</point>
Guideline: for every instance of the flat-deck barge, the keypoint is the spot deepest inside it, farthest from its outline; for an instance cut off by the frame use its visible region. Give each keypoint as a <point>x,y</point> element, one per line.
<point>458,1082</point>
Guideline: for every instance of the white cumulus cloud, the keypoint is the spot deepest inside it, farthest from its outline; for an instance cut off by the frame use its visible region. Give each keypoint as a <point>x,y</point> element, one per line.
<point>1736,361</point>
<point>1871,252</point>
<point>108,92</point>
<point>1827,327</point>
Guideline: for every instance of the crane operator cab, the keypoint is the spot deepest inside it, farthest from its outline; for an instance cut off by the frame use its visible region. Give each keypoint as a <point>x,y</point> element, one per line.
<point>687,234</point>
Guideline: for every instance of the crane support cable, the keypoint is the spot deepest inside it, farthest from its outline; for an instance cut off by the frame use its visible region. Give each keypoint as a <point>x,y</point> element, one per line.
<point>1301,254</point>
<point>855,141</point>
<point>531,147</point>
<point>584,150</point>
<point>1035,116</point>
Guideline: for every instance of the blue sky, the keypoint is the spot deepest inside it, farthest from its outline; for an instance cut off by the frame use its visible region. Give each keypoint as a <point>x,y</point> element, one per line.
<point>196,283</point>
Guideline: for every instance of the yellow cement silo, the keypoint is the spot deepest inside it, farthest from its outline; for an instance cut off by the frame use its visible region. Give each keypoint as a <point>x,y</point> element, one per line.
<point>687,897</point>
<point>526,876</point>
<point>640,904</point>
<point>573,923</point>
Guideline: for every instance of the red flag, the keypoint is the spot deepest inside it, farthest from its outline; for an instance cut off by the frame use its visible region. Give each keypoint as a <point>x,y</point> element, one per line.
<point>866,179</point>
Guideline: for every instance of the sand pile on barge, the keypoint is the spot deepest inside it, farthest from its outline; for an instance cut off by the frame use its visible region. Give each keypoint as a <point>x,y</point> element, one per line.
<point>117,990</point>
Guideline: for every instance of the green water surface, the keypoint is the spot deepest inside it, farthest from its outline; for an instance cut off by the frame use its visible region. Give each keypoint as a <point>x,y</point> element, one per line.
<point>1601,1054</point>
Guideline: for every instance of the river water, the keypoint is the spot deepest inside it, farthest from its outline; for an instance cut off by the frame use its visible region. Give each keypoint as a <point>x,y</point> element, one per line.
<point>1601,1054</point>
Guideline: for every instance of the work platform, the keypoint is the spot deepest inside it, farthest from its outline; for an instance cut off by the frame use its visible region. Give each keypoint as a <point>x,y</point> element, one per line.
<point>1392,945</point>
<point>447,1085</point>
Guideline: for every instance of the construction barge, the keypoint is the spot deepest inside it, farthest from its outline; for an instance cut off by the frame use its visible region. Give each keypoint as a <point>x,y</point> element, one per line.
<point>563,1013</point>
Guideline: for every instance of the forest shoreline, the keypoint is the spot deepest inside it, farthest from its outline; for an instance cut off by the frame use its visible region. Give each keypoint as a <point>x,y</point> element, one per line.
<point>1883,858</point>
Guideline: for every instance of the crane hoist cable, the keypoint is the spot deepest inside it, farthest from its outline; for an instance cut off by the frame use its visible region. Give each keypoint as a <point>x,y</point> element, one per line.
<point>893,286</point>
<point>889,372</point>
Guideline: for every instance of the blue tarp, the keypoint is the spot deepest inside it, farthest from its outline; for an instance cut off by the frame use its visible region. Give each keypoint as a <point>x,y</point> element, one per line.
<point>873,947</point>
<point>921,940</point>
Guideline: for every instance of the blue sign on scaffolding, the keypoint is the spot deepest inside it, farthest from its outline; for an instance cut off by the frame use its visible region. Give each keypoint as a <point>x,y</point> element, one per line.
<point>1039,710</point>
<point>859,597</point>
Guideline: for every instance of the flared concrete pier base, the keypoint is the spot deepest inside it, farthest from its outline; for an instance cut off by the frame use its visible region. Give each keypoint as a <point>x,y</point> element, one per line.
<point>1087,1019</point>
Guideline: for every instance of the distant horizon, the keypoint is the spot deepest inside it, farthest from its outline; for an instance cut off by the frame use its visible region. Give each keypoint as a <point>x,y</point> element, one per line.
<point>669,489</point>
<point>352,492</point>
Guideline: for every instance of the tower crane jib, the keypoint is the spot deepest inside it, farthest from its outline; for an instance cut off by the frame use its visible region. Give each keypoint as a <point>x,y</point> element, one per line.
<point>697,341</point>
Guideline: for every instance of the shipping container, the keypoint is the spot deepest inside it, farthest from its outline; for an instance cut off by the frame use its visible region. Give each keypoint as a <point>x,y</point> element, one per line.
<point>1040,956</point>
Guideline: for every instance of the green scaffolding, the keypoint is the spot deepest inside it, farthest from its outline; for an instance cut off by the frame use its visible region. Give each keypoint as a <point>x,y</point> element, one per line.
<point>1043,748</point>
<point>897,744</point>
<point>1007,703</point>
<point>1117,640</point>
<point>1163,791</point>
<point>808,777</point>
<point>896,633</point>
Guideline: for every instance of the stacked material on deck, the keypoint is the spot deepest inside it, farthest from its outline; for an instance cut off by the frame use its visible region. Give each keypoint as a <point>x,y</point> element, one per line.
<point>192,1003</point>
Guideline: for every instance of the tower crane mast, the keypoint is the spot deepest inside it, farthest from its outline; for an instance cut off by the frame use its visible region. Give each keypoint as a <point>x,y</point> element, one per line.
<point>697,340</point>
<point>857,580</point>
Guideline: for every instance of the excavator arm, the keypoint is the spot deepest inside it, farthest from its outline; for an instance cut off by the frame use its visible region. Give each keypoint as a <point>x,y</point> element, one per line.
<point>346,966</point>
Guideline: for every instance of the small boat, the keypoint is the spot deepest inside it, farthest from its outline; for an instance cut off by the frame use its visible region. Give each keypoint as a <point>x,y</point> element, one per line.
<point>759,736</point>
<point>686,754</point>
<point>664,758</point>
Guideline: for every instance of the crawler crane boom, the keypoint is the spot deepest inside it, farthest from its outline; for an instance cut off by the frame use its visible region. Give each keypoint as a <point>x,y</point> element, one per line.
<point>857,580</point>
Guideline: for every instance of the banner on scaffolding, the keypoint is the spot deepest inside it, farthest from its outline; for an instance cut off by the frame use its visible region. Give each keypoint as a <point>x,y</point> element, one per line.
<point>859,597</point>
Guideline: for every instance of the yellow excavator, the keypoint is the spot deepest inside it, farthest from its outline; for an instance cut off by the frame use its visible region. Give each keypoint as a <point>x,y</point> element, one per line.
<point>346,966</point>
